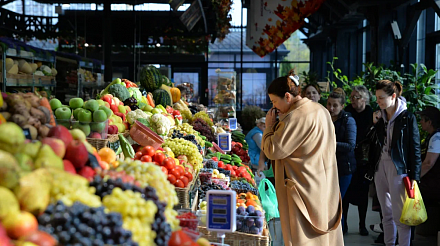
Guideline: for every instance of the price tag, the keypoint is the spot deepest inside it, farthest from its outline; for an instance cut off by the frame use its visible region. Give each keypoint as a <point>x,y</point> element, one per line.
<point>224,141</point>
<point>233,123</point>
<point>27,134</point>
<point>221,210</point>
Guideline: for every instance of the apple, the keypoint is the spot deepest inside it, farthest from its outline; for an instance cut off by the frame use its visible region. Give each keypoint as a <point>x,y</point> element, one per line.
<point>122,109</point>
<point>76,153</point>
<point>127,108</point>
<point>39,238</point>
<point>183,157</point>
<point>85,116</point>
<point>99,116</point>
<point>107,111</point>
<point>107,98</point>
<point>75,103</point>
<point>95,135</point>
<point>76,112</point>
<point>100,102</point>
<point>106,104</point>
<point>77,134</point>
<point>63,113</point>
<point>156,111</point>
<point>91,105</point>
<point>55,103</point>
<point>84,127</point>
<point>62,133</point>
<point>56,144</point>
<point>68,167</point>
<point>98,126</point>
<point>147,108</point>
<point>20,224</point>
<point>114,108</point>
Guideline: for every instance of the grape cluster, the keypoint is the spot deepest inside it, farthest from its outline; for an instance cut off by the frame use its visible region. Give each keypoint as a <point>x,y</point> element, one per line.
<point>189,137</point>
<point>204,129</point>
<point>181,146</point>
<point>205,188</point>
<point>186,128</point>
<point>132,103</point>
<point>83,225</point>
<point>243,187</point>
<point>225,172</point>
<point>211,164</point>
<point>105,186</point>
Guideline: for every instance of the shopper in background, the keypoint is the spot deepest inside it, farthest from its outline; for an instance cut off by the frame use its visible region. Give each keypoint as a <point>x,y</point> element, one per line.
<point>357,193</point>
<point>430,173</point>
<point>253,138</point>
<point>345,129</point>
<point>395,155</point>
<point>303,145</point>
<point>312,92</point>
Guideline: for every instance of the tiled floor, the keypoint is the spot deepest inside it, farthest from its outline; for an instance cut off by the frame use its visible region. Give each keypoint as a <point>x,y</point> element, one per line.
<point>352,238</point>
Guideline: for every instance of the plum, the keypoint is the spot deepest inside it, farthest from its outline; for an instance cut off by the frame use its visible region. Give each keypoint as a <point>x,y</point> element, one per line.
<point>241,210</point>
<point>259,213</point>
<point>250,222</point>
<point>259,222</point>
<point>254,230</point>
<point>250,209</point>
<point>239,224</point>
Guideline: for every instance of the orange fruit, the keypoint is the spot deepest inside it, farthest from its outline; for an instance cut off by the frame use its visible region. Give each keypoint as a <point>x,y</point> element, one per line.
<point>107,155</point>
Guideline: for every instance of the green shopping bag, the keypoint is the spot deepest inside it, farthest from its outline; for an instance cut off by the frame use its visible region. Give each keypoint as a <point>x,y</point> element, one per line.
<point>268,199</point>
<point>414,212</point>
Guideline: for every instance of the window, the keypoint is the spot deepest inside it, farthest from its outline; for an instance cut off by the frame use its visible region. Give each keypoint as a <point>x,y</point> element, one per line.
<point>191,78</point>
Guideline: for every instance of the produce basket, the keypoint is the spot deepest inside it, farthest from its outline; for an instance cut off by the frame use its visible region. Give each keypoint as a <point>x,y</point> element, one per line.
<point>112,138</point>
<point>237,238</point>
<point>184,196</point>
<point>98,143</point>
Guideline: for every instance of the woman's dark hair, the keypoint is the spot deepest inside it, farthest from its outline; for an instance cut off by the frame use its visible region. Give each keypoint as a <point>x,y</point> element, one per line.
<point>303,91</point>
<point>281,85</point>
<point>390,87</point>
<point>338,93</point>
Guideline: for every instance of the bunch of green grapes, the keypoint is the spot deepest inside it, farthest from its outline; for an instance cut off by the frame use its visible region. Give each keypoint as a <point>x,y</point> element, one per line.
<point>204,116</point>
<point>184,111</point>
<point>70,188</point>
<point>174,222</point>
<point>137,213</point>
<point>149,174</point>
<point>181,146</point>
<point>188,129</point>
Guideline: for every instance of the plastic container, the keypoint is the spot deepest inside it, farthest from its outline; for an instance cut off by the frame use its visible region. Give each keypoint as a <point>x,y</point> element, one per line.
<point>250,224</point>
<point>205,178</point>
<point>144,136</point>
<point>201,214</point>
<point>191,224</point>
<point>222,182</point>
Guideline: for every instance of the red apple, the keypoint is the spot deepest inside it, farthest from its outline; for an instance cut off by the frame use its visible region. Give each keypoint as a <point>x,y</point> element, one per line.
<point>20,224</point>
<point>40,238</point>
<point>62,133</point>
<point>183,157</point>
<point>76,153</point>
<point>95,135</point>
<point>87,172</point>
<point>68,167</point>
<point>57,146</point>
<point>4,239</point>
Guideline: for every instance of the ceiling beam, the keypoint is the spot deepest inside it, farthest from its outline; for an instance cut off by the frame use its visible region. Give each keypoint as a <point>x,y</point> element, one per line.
<point>4,2</point>
<point>410,27</point>
<point>436,6</point>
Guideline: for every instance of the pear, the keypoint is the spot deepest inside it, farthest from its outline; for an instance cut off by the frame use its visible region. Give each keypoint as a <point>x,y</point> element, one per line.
<point>9,170</point>
<point>11,137</point>
<point>33,191</point>
<point>31,149</point>
<point>25,162</point>
<point>8,203</point>
<point>47,158</point>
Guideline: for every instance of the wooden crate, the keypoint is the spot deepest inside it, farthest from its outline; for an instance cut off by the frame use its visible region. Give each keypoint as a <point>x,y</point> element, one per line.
<point>237,238</point>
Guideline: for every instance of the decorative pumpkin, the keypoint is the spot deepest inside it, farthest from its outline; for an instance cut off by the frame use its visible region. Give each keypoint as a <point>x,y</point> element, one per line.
<point>175,93</point>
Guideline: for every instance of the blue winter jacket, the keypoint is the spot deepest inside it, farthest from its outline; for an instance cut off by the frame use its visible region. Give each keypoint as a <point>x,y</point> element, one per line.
<point>254,150</point>
<point>345,128</point>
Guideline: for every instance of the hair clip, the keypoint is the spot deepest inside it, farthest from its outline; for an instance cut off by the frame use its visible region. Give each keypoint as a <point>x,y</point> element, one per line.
<point>295,79</point>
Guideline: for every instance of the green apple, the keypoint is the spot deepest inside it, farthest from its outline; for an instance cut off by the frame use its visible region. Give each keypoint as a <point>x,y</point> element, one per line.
<point>76,112</point>
<point>98,126</point>
<point>85,116</point>
<point>63,113</point>
<point>156,111</point>
<point>100,102</point>
<point>99,116</point>
<point>84,127</point>
<point>91,105</point>
<point>108,111</point>
<point>65,123</point>
<point>77,134</point>
<point>122,109</point>
<point>76,103</point>
<point>147,108</point>
<point>55,103</point>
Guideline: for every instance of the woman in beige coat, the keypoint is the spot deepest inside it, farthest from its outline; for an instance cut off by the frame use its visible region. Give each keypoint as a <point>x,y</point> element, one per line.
<point>303,145</point>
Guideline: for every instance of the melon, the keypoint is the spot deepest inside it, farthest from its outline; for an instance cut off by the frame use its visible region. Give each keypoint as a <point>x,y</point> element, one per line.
<point>162,97</point>
<point>150,78</point>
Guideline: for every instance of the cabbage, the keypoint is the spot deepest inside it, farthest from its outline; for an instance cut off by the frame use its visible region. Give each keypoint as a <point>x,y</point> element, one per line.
<point>46,70</point>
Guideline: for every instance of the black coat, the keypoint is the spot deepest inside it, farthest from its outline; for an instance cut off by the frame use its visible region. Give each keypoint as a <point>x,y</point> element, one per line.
<point>345,129</point>
<point>404,148</point>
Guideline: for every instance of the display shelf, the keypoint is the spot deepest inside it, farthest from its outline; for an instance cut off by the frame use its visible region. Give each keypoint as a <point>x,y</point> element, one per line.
<point>33,58</point>
<point>225,97</point>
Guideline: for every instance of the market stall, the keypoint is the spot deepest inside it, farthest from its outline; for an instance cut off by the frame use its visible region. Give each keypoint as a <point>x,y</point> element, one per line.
<point>131,167</point>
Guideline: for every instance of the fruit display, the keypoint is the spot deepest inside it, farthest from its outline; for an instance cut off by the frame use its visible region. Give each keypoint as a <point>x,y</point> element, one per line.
<point>238,136</point>
<point>181,146</point>
<point>186,128</point>
<point>243,186</point>
<point>184,110</point>
<point>188,219</point>
<point>238,151</point>
<point>201,126</point>
<point>204,188</point>
<point>150,78</point>
<point>204,116</point>
<point>249,220</point>
<point>189,137</point>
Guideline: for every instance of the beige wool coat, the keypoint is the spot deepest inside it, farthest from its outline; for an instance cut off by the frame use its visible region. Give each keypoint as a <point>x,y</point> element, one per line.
<point>303,147</point>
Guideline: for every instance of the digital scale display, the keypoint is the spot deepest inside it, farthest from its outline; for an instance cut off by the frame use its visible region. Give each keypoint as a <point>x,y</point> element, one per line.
<point>224,141</point>
<point>233,123</point>
<point>219,201</point>
<point>221,210</point>
<point>219,220</point>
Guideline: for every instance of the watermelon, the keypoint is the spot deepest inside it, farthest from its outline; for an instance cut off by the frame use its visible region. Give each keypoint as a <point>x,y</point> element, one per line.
<point>150,78</point>
<point>166,81</point>
<point>162,97</point>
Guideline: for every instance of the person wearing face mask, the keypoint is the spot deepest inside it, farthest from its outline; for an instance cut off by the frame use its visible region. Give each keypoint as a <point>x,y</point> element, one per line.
<point>395,154</point>
<point>312,92</point>
<point>302,145</point>
<point>345,129</point>
<point>357,193</point>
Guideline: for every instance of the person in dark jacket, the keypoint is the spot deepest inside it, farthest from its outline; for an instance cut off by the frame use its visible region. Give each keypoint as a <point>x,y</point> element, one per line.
<point>395,154</point>
<point>345,129</point>
<point>357,193</point>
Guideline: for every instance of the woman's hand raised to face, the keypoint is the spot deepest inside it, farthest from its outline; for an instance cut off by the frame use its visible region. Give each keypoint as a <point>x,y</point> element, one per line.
<point>376,116</point>
<point>271,117</point>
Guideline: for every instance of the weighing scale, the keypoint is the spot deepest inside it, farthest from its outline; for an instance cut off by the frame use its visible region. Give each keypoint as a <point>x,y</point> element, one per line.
<point>224,141</point>
<point>221,212</point>
<point>232,123</point>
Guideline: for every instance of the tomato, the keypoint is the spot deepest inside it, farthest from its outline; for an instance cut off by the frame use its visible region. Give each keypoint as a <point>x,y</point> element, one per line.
<point>138,155</point>
<point>180,238</point>
<point>169,163</point>
<point>189,176</point>
<point>214,158</point>
<point>146,158</point>
<point>174,172</point>
<point>159,157</point>
<point>234,168</point>
<point>157,164</point>
<point>233,174</point>
<point>164,170</point>
<point>148,150</point>
<point>184,180</point>
<point>181,170</point>
<point>221,164</point>
<point>172,178</point>
<point>179,184</point>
